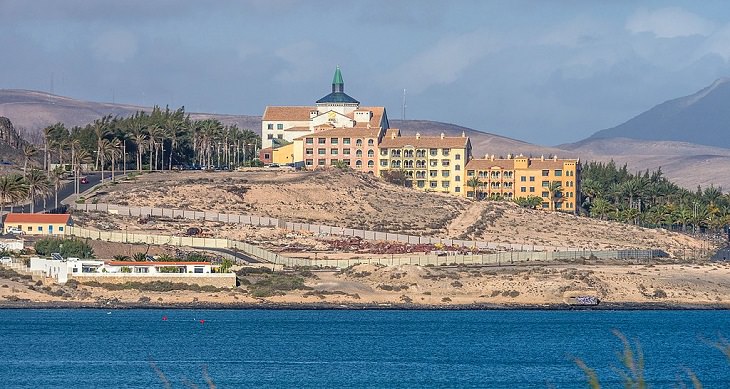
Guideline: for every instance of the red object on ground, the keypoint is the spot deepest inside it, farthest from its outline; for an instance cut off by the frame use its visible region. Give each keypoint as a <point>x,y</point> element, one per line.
<point>164,318</point>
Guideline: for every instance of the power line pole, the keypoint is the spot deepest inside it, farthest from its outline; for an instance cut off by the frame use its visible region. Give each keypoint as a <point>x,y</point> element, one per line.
<point>403,111</point>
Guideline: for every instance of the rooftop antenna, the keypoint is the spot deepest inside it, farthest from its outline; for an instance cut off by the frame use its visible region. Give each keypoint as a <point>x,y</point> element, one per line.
<point>403,111</point>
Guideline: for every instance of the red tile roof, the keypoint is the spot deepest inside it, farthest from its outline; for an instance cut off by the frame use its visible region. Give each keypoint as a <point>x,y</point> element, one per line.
<point>452,142</point>
<point>38,218</point>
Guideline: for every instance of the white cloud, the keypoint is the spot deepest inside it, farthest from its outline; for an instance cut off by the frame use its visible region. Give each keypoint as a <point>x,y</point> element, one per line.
<point>670,22</point>
<point>115,46</point>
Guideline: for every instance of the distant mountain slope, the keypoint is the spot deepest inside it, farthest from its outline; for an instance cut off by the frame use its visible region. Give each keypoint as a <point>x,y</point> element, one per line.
<point>34,110</point>
<point>687,164</point>
<point>702,118</point>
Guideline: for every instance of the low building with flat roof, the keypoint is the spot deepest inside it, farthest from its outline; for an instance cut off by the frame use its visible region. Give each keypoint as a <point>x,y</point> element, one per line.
<point>37,223</point>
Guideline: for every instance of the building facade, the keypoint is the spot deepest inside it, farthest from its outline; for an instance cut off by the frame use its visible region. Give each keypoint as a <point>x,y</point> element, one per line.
<point>432,163</point>
<point>353,147</point>
<point>555,181</point>
<point>37,223</point>
<point>281,125</point>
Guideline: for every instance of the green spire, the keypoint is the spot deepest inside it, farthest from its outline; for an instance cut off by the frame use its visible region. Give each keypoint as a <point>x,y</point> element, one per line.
<point>338,77</point>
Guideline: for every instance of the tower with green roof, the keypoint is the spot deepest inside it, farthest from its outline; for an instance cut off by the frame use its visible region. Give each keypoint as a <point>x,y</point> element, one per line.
<point>338,97</point>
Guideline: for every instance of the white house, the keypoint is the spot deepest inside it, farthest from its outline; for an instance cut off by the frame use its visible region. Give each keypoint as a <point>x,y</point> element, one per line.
<point>11,243</point>
<point>157,267</point>
<point>60,270</point>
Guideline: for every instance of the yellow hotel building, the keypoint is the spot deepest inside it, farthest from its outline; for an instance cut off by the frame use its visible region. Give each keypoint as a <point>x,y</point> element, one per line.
<point>432,163</point>
<point>522,177</point>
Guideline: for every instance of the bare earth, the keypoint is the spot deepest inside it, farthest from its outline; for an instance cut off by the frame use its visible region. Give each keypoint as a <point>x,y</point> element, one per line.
<point>693,285</point>
<point>354,200</point>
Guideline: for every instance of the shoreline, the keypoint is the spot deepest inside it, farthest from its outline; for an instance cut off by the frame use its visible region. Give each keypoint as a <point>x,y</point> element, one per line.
<point>368,307</point>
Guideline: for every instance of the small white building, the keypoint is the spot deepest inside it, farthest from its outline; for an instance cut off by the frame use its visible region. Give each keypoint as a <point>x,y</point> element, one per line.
<point>61,270</point>
<point>11,243</point>
<point>157,267</point>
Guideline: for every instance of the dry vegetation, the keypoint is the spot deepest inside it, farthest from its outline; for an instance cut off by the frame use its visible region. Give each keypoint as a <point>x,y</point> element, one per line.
<point>355,200</point>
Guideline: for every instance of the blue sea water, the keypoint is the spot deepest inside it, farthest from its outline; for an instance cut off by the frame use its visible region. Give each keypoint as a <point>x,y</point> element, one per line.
<point>336,349</point>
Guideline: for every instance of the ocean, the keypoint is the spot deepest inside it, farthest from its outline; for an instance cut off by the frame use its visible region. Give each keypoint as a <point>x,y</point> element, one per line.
<point>80,348</point>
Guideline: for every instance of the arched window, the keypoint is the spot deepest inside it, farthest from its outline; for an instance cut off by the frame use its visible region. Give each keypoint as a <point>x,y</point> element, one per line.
<point>371,153</point>
<point>371,142</point>
<point>358,163</point>
<point>358,142</point>
<point>358,153</point>
<point>371,163</point>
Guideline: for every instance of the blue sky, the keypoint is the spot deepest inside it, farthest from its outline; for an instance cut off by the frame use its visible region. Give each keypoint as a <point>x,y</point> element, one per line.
<point>547,72</point>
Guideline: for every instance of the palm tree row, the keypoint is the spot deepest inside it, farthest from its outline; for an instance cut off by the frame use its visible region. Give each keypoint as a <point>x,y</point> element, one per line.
<point>16,189</point>
<point>650,199</point>
<point>160,140</point>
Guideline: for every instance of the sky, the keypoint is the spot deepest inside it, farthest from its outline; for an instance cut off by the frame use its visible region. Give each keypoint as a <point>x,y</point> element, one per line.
<point>546,72</point>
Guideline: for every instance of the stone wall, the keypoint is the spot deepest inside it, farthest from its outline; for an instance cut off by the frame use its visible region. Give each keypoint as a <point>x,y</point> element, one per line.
<point>217,280</point>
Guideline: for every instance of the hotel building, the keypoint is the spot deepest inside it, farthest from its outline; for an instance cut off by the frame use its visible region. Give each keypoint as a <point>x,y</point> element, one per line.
<point>522,177</point>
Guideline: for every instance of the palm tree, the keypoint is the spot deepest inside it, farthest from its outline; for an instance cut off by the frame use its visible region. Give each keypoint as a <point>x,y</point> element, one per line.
<point>173,125</point>
<point>474,183</point>
<point>555,191</point>
<point>28,152</point>
<point>137,131</point>
<point>12,187</point>
<point>57,181</point>
<point>38,184</point>
<point>82,157</point>
<point>101,130</point>
<point>113,151</point>
<point>600,208</point>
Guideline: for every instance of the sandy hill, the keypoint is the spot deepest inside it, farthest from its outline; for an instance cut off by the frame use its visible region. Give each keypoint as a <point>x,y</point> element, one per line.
<point>349,199</point>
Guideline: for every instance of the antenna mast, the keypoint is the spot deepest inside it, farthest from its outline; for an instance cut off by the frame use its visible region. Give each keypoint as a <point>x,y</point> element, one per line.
<point>403,111</point>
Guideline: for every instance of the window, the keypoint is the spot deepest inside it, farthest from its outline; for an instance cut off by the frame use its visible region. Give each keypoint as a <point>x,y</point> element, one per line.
<point>358,163</point>
<point>457,189</point>
<point>358,142</point>
<point>457,167</point>
<point>309,162</point>
<point>321,140</point>
<point>532,179</point>
<point>545,184</point>
<point>333,151</point>
<point>444,173</point>
<point>270,126</point>
<point>60,228</point>
<point>545,205</point>
<point>371,142</point>
<point>558,205</point>
<point>470,173</point>
<point>384,152</point>
<point>267,156</point>
<point>545,194</point>
<point>444,184</point>
<point>523,189</point>
<point>346,151</point>
<point>523,179</point>
<point>371,153</point>
<point>309,141</point>
<point>279,126</point>
<point>457,178</point>
<point>433,173</point>
<point>433,163</point>
<point>545,173</point>
<point>445,162</point>
<point>30,228</point>
<point>445,152</point>
<point>358,153</point>
<point>269,136</point>
<point>346,141</point>
<point>334,141</point>
<point>321,151</point>
<point>280,136</point>
<point>433,152</point>
<point>421,184</point>
<point>40,228</point>
<point>346,161</point>
<point>333,161</point>
<point>321,162</point>
<point>371,163</point>
<point>309,151</point>
<point>433,184</point>
<point>383,163</point>
<point>532,189</point>
<point>457,157</point>
<point>558,173</point>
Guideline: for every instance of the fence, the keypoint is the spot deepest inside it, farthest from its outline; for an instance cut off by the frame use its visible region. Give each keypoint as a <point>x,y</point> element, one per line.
<point>501,258</point>
<point>320,229</point>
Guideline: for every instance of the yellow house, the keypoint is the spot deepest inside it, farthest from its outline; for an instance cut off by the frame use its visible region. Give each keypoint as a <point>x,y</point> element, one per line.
<point>283,155</point>
<point>37,223</point>
<point>431,163</point>
<point>523,177</point>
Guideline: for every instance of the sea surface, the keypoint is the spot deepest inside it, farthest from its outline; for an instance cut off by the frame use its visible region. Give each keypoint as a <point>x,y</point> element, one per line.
<point>78,348</point>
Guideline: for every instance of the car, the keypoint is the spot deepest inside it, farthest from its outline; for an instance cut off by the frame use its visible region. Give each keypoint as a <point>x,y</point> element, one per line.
<point>6,260</point>
<point>15,230</point>
<point>84,180</point>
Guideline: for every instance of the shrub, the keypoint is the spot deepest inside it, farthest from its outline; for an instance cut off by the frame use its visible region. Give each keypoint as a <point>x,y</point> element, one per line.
<point>66,247</point>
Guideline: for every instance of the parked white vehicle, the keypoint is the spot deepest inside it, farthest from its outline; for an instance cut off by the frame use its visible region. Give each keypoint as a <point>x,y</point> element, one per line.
<point>6,260</point>
<point>15,230</point>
